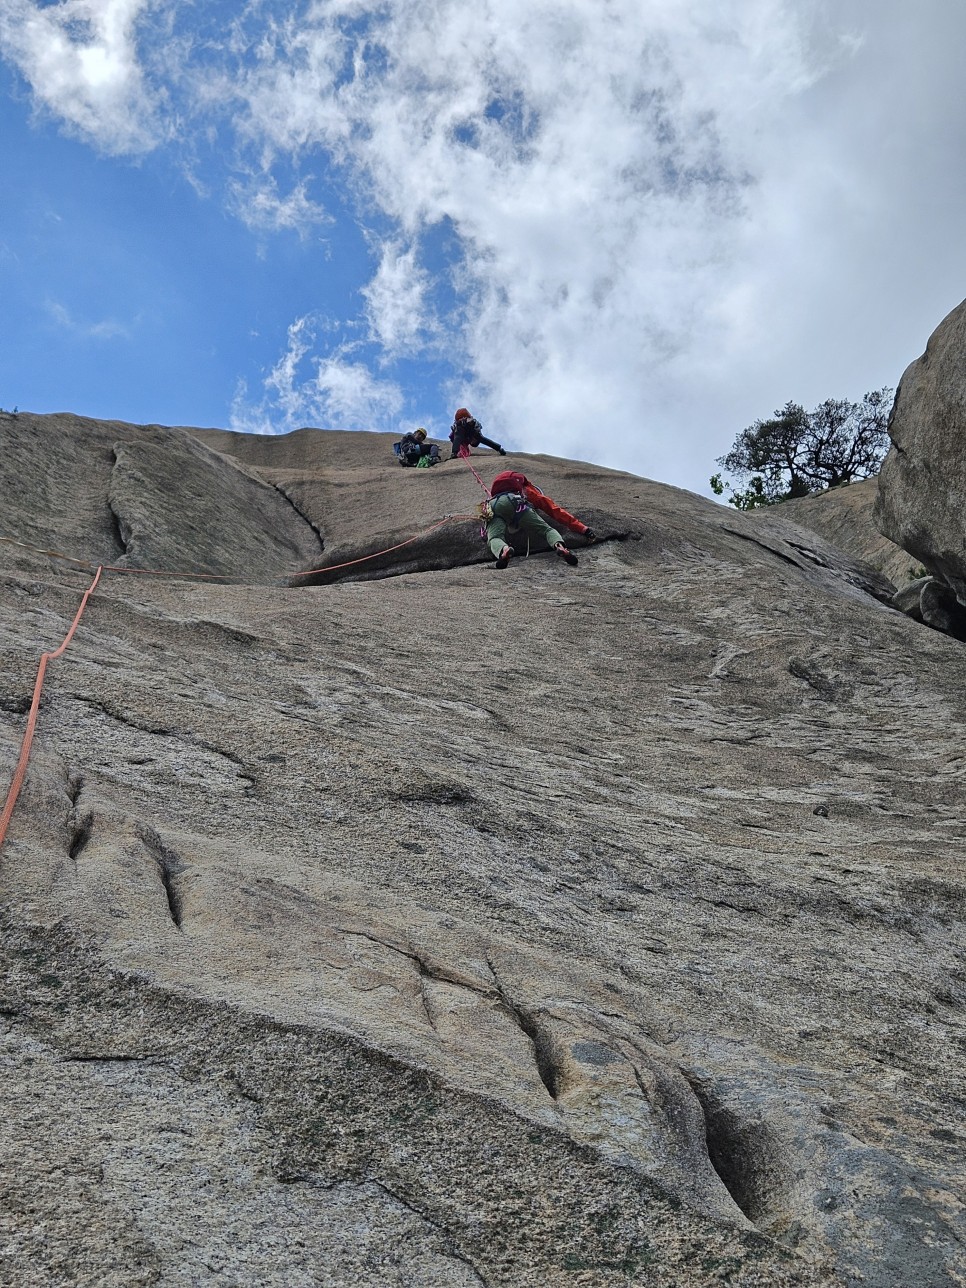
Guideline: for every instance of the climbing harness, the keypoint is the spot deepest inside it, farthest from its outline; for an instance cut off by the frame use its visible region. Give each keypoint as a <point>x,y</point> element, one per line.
<point>486,512</point>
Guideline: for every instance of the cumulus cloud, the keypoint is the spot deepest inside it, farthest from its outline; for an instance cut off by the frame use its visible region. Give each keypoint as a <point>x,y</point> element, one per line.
<point>258,203</point>
<point>395,300</point>
<point>328,389</point>
<point>589,162</point>
<point>632,226</point>
<point>80,58</point>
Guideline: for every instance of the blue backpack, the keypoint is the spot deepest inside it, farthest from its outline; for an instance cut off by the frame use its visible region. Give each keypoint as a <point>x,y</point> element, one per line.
<point>407,453</point>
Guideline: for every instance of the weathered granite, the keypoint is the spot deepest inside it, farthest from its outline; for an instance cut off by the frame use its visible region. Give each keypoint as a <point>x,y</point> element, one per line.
<point>922,483</point>
<point>429,925</point>
<point>845,517</point>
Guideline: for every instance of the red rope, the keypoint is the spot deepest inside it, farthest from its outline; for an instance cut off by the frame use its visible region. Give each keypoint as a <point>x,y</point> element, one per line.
<point>464,455</point>
<point>450,518</point>
<point>28,737</point>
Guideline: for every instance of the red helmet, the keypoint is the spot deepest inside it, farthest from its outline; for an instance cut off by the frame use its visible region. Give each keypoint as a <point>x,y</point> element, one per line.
<point>462,414</point>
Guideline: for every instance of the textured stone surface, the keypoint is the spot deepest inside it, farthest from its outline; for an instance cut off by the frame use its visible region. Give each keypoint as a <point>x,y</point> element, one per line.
<point>552,926</point>
<point>922,484</point>
<point>227,522</point>
<point>845,516</point>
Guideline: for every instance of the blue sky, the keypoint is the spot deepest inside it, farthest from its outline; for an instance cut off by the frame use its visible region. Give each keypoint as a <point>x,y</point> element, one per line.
<point>618,230</point>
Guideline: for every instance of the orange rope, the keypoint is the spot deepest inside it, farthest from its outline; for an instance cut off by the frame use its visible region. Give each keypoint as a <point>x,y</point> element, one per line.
<point>450,518</point>
<point>162,572</point>
<point>466,458</point>
<point>28,736</point>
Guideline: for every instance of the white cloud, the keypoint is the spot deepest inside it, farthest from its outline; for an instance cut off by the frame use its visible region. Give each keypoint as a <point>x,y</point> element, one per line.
<point>80,58</point>
<point>636,224</point>
<point>106,329</point>
<point>591,160</point>
<point>395,300</point>
<point>257,203</point>
<point>304,388</point>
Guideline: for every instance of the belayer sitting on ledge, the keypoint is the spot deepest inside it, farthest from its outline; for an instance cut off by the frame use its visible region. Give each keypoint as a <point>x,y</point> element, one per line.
<point>412,449</point>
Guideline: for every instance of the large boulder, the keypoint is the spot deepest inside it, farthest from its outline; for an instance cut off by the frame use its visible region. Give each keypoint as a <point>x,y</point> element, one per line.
<point>922,484</point>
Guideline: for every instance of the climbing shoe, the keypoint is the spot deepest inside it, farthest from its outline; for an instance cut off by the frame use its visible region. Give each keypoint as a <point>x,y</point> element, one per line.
<point>590,536</point>
<point>503,451</point>
<point>504,557</point>
<point>567,555</point>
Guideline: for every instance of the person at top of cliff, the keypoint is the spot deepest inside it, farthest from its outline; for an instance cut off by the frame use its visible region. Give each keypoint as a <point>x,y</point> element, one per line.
<point>412,449</point>
<point>517,482</point>
<point>509,513</point>
<point>467,432</point>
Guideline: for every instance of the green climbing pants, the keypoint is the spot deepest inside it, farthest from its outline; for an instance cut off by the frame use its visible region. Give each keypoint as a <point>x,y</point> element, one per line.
<point>507,520</point>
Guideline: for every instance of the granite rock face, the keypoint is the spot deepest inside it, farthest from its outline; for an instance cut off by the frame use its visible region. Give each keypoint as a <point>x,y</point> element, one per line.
<point>922,484</point>
<point>418,924</point>
<point>845,517</point>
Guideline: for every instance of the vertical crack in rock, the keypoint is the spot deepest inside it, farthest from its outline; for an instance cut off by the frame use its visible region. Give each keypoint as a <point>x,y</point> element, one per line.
<point>79,828</point>
<point>169,865</point>
<point>75,785</point>
<point>425,974</point>
<point>301,513</point>
<point>120,527</point>
<point>744,1154</point>
<point>80,836</point>
<point>548,1067</point>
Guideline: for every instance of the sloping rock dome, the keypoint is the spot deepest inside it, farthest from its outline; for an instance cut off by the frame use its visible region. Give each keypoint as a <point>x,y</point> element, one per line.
<point>410,923</point>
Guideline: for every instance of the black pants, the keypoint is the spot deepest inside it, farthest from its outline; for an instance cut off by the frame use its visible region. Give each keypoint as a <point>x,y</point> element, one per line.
<point>461,439</point>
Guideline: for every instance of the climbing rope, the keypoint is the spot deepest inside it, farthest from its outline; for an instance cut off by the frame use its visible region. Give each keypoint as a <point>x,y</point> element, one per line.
<point>28,737</point>
<point>449,518</point>
<point>475,473</point>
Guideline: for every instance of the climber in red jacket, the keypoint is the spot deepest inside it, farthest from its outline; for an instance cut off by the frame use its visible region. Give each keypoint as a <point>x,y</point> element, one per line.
<point>514,481</point>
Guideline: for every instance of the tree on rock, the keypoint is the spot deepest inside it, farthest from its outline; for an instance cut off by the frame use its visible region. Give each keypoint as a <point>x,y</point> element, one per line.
<point>797,452</point>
